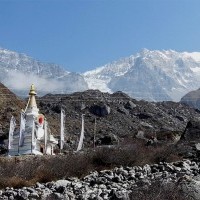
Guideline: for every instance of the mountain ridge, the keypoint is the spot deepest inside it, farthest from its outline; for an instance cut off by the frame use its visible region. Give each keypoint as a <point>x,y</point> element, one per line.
<point>150,75</point>
<point>49,77</point>
<point>153,75</point>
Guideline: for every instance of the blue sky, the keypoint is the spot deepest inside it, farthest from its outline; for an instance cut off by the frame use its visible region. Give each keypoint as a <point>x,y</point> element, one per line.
<point>84,34</point>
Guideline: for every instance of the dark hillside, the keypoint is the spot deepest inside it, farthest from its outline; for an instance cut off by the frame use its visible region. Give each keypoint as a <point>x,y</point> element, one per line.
<point>117,116</point>
<point>192,99</point>
<point>10,104</point>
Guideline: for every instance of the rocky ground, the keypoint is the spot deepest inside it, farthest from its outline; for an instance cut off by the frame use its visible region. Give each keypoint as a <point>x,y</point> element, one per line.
<point>117,117</point>
<point>119,183</point>
<point>179,180</point>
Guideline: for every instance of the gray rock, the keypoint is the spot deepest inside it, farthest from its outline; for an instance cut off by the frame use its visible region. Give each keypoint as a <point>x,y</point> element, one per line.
<point>100,110</point>
<point>70,195</point>
<point>177,169</point>
<point>130,105</point>
<point>147,169</point>
<point>63,183</point>
<point>4,197</point>
<point>123,110</point>
<point>56,196</point>
<point>34,195</point>
<point>138,174</point>
<point>158,175</point>
<point>101,180</point>
<point>39,185</point>
<point>169,167</point>
<point>118,195</point>
<point>116,179</point>
<point>194,166</point>
<point>165,174</point>
<point>11,197</point>
<point>31,190</point>
<point>192,131</point>
<point>50,185</point>
<point>23,194</point>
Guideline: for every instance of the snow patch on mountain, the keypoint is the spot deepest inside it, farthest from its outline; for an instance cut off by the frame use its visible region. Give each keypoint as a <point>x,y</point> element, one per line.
<point>19,71</point>
<point>150,75</point>
<point>194,55</point>
<point>100,77</point>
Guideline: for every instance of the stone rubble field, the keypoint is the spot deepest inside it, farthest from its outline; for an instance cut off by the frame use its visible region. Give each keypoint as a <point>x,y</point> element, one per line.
<point>115,184</point>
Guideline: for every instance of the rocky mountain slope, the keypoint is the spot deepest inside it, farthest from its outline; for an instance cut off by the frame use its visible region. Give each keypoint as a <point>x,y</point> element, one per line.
<point>119,120</point>
<point>150,75</point>
<point>19,71</point>
<point>10,104</point>
<point>117,115</point>
<point>192,99</point>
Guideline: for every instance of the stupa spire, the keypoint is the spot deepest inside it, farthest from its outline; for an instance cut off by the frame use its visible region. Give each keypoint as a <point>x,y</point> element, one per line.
<point>32,102</point>
<point>32,90</point>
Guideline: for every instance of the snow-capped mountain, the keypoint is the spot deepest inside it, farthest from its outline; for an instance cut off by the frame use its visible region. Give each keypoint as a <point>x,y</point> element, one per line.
<point>150,75</point>
<point>19,71</point>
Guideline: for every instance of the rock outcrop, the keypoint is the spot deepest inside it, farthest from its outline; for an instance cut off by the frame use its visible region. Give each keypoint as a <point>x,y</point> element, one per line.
<point>117,115</point>
<point>192,99</point>
<point>192,131</point>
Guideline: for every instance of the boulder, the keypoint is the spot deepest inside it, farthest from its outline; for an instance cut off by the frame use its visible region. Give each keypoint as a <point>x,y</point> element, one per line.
<point>130,105</point>
<point>123,110</point>
<point>63,183</point>
<point>144,115</point>
<point>192,131</point>
<point>107,140</point>
<point>100,110</point>
<point>118,195</point>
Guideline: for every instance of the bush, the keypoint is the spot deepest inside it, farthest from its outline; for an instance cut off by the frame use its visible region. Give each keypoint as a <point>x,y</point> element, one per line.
<point>15,182</point>
<point>27,170</point>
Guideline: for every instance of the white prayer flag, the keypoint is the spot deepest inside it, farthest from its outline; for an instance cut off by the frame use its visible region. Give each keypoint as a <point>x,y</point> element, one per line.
<point>22,128</point>
<point>11,132</point>
<point>80,144</point>
<point>45,136</point>
<point>62,128</point>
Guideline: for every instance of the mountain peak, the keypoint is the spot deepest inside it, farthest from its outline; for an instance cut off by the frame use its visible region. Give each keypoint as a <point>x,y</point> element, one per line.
<point>15,67</point>
<point>154,75</point>
<point>144,51</point>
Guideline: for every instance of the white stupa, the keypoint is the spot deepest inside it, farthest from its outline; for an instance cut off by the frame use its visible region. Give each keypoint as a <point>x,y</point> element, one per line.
<point>34,137</point>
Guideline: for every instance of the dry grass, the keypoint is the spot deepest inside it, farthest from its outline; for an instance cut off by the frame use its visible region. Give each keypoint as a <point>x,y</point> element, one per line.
<point>27,170</point>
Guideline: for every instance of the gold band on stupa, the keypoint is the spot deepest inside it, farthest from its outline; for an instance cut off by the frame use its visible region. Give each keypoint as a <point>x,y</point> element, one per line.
<point>32,90</point>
